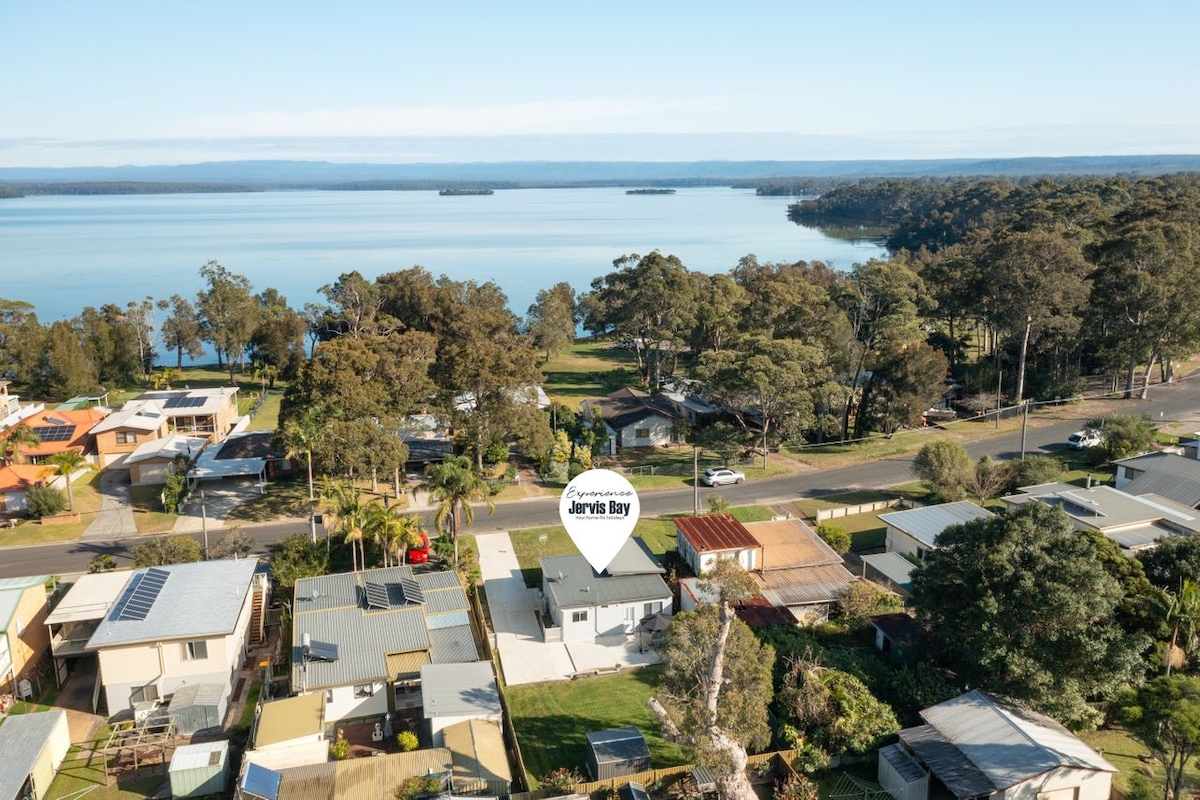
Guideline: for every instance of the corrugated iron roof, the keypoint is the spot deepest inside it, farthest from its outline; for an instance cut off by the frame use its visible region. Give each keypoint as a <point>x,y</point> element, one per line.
<point>909,770</point>
<point>947,762</point>
<point>406,666</point>
<point>574,584</point>
<point>804,585</point>
<point>790,543</point>
<point>459,690</point>
<point>926,524</point>
<point>477,749</point>
<point>290,718</point>
<point>715,532</point>
<point>618,744</point>
<point>893,566</point>
<point>22,738</point>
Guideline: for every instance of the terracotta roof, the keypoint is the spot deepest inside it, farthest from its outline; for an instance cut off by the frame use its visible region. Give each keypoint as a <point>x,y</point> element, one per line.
<point>714,532</point>
<point>19,477</point>
<point>790,543</point>
<point>83,421</point>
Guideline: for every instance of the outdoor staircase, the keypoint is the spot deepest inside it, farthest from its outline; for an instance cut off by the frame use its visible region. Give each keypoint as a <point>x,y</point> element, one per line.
<point>258,609</point>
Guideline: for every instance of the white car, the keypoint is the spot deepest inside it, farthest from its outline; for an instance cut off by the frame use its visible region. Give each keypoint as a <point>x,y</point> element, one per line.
<point>1081,440</point>
<point>721,477</point>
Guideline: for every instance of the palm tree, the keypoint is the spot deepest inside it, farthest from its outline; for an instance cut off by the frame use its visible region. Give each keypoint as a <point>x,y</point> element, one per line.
<point>300,436</point>
<point>265,374</point>
<point>67,463</point>
<point>15,438</point>
<point>1184,616</point>
<point>342,501</point>
<point>165,377</point>
<point>454,484</point>
<point>392,530</point>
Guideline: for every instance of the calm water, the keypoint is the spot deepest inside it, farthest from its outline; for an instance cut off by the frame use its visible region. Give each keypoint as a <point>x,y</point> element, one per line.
<point>64,253</point>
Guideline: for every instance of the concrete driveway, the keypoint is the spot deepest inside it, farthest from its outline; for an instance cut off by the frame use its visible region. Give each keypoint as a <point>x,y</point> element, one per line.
<point>524,657</point>
<point>115,518</point>
<point>220,498</point>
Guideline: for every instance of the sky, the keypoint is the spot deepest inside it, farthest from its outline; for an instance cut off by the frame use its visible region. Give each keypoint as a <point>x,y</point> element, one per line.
<point>146,82</point>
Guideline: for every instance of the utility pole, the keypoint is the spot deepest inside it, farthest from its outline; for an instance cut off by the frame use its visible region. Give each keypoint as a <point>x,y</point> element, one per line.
<point>1024,426</point>
<point>204,523</point>
<point>695,480</point>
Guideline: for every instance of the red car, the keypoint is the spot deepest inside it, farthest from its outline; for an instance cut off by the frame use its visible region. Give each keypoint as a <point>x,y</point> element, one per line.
<point>420,553</point>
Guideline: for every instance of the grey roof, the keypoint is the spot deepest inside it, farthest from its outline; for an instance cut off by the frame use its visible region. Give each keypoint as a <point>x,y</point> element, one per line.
<point>1104,508</point>
<point>926,524</point>
<point>330,609</point>
<point>142,415</point>
<point>893,566</point>
<point>199,756</point>
<point>198,600</point>
<point>618,744</point>
<point>634,558</point>
<point>580,586</point>
<point>213,400</point>
<point>1173,476</point>
<point>801,586</point>
<point>459,690</point>
<point>902,762</point>
<point>197,694</point>
<point>22,737</point>
<point>177,444</point>
<point>1003,744</point>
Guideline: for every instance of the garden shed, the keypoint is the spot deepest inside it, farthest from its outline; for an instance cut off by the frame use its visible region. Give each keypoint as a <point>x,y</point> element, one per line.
<point>617,752</point>
<point>198,706</point>
<point>199,769</point>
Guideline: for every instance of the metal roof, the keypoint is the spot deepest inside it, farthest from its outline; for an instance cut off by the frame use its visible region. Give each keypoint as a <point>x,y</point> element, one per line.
<point>22,738</point>
<point>926,524</point>
<point>361,777</point>
<point>198,401</point>
<point>893,566</point>
<point>804,585</point>
<point>200,599</point>
<point>477,749</point>
<point>11,592</point>
<point>1104,508</point>
<point>290,718</point>
<point>90,597</point>
<point>168,447</point>
<point>1173,476</point>
<point>902,762</point>
<point>715,532</point>
<point>618,744</point>
<point>199,756</point>
<point>947,762</point>
<point>790,543</point>
<point>452,645</point>
<point>634,558</point>
<point>459,690</point>
<point>197,694</point>
<point>142,415</point>
<point>575,584</point>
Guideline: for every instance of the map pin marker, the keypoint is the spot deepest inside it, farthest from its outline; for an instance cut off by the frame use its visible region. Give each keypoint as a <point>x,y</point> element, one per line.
<point>599,509</point>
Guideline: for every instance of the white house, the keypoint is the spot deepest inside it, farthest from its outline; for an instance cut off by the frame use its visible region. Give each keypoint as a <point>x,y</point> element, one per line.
<point>977,746</point>
<point>454,693</point>
<point>701,541</point>
<point>633,418</point>
<point>362,638</point>
<point>914,532</point>
<point>584,605</point>
<point>1175,477</point>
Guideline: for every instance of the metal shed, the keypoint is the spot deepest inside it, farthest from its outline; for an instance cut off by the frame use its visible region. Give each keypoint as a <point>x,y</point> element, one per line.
<point>198,706</point>
<point>617,752</point>
<point>199,769</point>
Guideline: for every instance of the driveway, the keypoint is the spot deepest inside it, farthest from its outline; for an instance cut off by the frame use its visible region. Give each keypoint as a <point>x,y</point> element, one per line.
<point>115,518</point>
<point>524,657</point>
<point>220,497</point>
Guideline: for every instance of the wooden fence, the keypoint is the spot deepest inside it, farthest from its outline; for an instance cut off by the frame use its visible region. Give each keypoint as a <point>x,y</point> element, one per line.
<point>516,760</point>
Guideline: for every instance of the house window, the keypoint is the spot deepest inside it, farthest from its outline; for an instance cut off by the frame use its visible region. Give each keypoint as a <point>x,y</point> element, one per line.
<point>20,626</point>
<point>126,438</point>
<point>364,690</point>
<point>195,651</point>
<point>329,695</point>
<point>140,694</point>
<point>651,608</point>
<point>641,433</point>
<point>579,616</point>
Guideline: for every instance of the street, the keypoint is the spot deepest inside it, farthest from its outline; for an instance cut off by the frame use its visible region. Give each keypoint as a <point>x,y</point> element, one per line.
<point>1179,402</point>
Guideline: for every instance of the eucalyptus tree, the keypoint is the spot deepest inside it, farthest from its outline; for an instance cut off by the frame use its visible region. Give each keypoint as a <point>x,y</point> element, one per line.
<point>181,330</point>
<point>550,320</point>
<point>228,314</point>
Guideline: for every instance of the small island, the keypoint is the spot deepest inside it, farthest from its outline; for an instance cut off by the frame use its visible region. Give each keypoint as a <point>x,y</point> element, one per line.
<point>464,192</point>
<point>649,191</point>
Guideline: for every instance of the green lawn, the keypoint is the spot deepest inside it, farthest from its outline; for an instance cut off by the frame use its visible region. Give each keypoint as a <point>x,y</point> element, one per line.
<point>575,374</point>
<point>1123,751</point>
<point>267,418</point>
<point>86,491</point>
<point>552,719</point>
<point>148,515</point>
<point>80,777</point>
<point>287,497</point>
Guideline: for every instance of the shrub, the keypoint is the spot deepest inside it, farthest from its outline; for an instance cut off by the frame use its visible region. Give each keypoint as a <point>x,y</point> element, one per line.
<point>796,787</point>
<point>44,501</point>
<point>717,504</point>
<point>495,453</point>
<point>836,537</point>
<point>173,492</point>
<point>102,563</point>
<point>562,780</point>
<point>412,788</point>
<point>407,741</point>
<point>339,748</point>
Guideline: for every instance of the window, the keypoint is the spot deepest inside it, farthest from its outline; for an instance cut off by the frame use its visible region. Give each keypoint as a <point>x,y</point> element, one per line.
<point>195,651</point>
<point>364,690</point>
<point>20,626</point>
<point>579,616</point>
<point>651,608</point>
<point>329,695</point>
<point>140,694</point>
<point>641,433</point>
<point>126,438</point>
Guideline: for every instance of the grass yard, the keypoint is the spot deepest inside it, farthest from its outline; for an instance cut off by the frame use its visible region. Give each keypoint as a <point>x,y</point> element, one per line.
<point>267,418</point>
<point>80,776</point>
<point>147,510</point>
<point>672,468</point>
<point>575,374</point>
<point>552,719</point>
<point>287,497</point>
<point>86,491</point>
<point>1123,751</point>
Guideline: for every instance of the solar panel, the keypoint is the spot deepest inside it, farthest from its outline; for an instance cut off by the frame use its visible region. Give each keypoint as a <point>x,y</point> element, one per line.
<point>184,402</point>
<point>412,591</point>
<point>56,421</point>
<point>143,591</point>
<point>56,433</point>
<point>261,782</point>
<point>322,651</point>
<point>377,596</point>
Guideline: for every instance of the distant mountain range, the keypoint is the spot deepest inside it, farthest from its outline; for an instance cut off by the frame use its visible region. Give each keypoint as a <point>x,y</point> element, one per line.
<point>299,174</point>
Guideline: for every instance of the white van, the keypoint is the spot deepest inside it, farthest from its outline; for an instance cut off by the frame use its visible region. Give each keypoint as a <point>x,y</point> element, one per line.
<point>1081,440</point>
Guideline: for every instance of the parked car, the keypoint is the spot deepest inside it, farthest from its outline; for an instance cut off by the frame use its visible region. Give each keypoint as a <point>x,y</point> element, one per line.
<point>420,553</point>
<point>1081,440</point>
<point>720,477</point>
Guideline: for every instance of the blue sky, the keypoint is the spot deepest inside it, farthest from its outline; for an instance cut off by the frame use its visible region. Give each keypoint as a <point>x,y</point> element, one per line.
<point>131,82</point>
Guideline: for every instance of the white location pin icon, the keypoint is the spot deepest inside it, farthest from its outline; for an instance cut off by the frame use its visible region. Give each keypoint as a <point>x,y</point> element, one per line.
<point>599,509</point>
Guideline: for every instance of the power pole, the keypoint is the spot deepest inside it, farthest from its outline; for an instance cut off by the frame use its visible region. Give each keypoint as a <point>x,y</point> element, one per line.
<point>695,480</point>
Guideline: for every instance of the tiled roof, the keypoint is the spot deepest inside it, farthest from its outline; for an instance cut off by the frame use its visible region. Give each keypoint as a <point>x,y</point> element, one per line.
<point>19,477</point>
<point>715,532</point>
<point>83,420</point>
<point>626,406</point>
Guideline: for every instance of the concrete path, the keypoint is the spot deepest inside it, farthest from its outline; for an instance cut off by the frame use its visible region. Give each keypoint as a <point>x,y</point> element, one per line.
<point>115,518</point>
<point>524,657</point>
<point>220,498</point>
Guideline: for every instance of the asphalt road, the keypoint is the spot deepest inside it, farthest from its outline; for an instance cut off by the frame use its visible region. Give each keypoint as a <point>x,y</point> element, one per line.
<point>1179,403</point>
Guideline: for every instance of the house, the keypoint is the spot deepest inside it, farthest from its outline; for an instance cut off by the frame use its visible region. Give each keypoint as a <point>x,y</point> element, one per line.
<point>633,418</point>
<point>792,566</point>
<point>176,625</point>
<point>61,431</point>
<point>362,638</point>
<point>584,605</point>
<point>11,410</point>
<point>1175,477</point>
<point>211,413</point>
<point>120,433</point>
<point>695,410</point>
<point>617,752</point>
<point>354,777</point>
<point>1135,522</point>
<point>978,746</point>
<point>480,758</point>
<point>454,693</point>
<point>24,641</point>
<point>914,532</point>
<point>290,732</point>
<point>73,621</point>
<point>16,480</point>
<point>893,632</point>
<point>34,746</point>
<point>154,460</point>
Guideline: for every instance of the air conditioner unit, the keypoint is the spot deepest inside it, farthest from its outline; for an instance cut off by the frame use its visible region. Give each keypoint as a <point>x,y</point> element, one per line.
<point>144,710</point>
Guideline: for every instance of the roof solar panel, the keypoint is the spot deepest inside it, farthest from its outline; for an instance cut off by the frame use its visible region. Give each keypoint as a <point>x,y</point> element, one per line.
<point>261,782</point>
<point>377,596</point>
<point>142,592</point>
<point>184,402</point>
<point>412,591</point>
<point>55,433</point>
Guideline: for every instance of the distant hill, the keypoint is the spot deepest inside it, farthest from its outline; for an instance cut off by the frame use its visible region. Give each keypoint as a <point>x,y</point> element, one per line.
<point>304,174</point>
